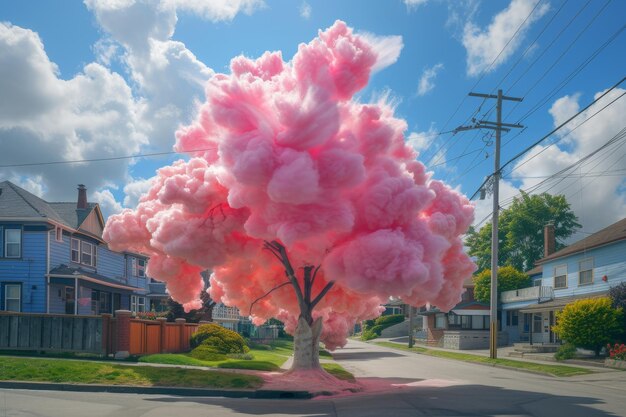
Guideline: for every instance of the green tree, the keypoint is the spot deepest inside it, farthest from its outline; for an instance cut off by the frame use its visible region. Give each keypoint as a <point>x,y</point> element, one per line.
<point>520,231</point>
<point>590,323</point>
<point>509,278</point>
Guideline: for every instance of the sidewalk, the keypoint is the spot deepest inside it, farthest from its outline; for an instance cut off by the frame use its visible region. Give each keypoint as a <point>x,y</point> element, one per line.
<point>503,353</point>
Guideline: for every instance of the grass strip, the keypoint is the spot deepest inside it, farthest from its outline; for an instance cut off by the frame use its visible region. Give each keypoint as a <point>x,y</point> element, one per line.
<point>338,372</point>
<point>85,372</point>
<point>552,370</point>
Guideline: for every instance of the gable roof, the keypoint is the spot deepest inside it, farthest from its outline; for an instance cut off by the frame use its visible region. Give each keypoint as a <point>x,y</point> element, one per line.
<point>613,233</point>
<point>16,202</point>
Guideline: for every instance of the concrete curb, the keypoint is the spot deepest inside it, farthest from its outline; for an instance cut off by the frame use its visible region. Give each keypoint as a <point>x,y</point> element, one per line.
<point>187,392</point>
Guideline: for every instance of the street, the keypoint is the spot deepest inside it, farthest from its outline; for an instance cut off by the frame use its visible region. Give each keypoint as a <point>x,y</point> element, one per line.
<point>399,384</point>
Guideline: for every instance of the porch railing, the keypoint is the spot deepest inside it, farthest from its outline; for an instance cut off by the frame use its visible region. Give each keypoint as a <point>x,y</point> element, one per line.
<point>539,294</point>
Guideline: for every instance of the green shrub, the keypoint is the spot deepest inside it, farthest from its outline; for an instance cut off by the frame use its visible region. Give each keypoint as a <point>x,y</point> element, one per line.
<point>589,323</point>
<point>222,340</point>
<point>566,351</point>
<point>207,353</point>
<point>389,320</point>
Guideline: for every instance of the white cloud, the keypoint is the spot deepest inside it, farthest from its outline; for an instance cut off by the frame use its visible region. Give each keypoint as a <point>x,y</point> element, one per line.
<point>387,48</point>
<point>484,45</point>
<point>217,10</point>
<point>134,190</point>
<point>427,80</point>
<point>597,197</point>
<point>45,118</point>
<point>305,10</point>
<point>107,202</point>
<point>414,4</point>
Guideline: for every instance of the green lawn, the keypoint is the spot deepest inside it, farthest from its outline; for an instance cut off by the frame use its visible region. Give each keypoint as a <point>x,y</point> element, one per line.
<point>338,372</point>
<point>553,370</point>
<point>85,372</point>
<point>265,358</point>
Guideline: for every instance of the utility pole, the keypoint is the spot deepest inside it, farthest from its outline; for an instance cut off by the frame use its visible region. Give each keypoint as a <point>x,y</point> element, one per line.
<point>498,126</point>
<point>410,326</point>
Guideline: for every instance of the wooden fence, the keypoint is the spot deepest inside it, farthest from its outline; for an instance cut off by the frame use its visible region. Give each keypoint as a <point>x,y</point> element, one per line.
<point>49,332</point>
<point>120,335</point>
<point>157,336</point>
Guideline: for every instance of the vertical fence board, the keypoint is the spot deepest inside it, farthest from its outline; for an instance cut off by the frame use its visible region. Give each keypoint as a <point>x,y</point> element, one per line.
<point>46,332</point>
<point>4,331</point>
<point>23,330</point>
<point>35,332</point>
<point>77,334</point>
<point>153,339</point>
<point>56,333</point>
<point>67,327</point>
<point>13,331</point>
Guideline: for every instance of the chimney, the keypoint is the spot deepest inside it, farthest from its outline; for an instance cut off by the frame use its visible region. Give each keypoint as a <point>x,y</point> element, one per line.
<point>82,197</point>
<point>549,242</point>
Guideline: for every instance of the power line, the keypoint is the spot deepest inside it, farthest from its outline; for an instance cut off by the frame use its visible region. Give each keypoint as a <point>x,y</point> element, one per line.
<point>510,161</point>
<point>113,158</point>
<point>483,73</point>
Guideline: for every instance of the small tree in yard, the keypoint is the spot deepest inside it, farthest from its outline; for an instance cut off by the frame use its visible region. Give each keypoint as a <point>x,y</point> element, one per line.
<point>307,205</point>
<point>509,279</point>
<point>589,323</point>
<point>617,294</point>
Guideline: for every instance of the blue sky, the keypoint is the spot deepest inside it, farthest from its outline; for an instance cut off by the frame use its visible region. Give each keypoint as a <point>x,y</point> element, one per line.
<point>110,78</point>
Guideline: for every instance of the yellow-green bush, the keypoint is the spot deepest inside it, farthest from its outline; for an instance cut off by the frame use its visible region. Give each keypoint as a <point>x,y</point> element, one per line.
<point>589,323</point>
<point>220,339</point>
<point>207,353</point>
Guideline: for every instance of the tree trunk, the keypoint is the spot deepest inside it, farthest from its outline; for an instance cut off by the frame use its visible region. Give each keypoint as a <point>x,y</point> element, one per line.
<point>306,345</point>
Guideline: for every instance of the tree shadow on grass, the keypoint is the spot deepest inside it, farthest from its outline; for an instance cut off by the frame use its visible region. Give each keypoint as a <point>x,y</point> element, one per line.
<point>425,397</point>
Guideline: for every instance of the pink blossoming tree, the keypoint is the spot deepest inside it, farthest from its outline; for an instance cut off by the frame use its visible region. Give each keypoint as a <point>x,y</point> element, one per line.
<point>307,205</point>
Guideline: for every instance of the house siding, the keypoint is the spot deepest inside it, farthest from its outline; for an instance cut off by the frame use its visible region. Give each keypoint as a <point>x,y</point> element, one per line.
<point>59,251</point>
<point>609,260</point>
<point>110,263</point>
<point>29,270</point>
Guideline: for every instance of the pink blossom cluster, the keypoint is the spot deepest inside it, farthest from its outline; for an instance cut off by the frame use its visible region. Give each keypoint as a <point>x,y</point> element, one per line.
<point>282,151</point>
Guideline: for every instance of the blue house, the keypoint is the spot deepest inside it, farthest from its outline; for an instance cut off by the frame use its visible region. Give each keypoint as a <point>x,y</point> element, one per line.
<point>53,260</point>
<point>585,269</point>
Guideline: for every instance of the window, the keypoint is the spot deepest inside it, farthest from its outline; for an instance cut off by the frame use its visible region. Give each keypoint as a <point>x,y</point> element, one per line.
<point>585,275</point>
<point>512,318</point>
<point>138,267</point>
<point>100,302</point>
<point>58,234</point>
<point>84,252</point>
<point>560,276</point>
<point>13,297</point>
<point>75,250</point>
<point>13,243</point>
<point>440,321</point>
<point>137,304</point>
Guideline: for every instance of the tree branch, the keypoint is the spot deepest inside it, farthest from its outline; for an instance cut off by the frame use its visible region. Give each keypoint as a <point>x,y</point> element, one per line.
<point>307,284</point>
<point>322,294</point>
<point>266,294</point>
<point>274,247</point>
<point>315,274</point>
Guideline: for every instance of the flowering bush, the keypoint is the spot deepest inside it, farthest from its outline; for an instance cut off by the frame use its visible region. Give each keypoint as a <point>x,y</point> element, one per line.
<point>149,315</point>
<point>617,351</point>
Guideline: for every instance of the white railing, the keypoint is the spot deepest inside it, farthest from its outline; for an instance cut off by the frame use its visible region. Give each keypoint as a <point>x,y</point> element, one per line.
<point>223,312</point>
<point>539,294</point>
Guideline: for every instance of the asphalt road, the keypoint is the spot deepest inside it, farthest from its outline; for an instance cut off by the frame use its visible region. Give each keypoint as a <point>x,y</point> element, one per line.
<point>424,386</point>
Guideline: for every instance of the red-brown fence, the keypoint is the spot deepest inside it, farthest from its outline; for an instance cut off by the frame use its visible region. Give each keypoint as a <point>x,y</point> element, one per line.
<point>120,335</point>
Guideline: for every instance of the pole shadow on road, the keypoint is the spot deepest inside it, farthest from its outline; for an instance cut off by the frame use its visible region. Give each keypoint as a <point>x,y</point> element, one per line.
<point>458,400</point>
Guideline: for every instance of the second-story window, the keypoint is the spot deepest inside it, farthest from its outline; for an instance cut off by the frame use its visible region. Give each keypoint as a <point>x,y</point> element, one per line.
<point>75,250</point>
<point>585,274</point>
<point>58,234</point>
<point>13,243</point>
<point>138,267</point>
<point>560,276</point>
<point>83,252</point>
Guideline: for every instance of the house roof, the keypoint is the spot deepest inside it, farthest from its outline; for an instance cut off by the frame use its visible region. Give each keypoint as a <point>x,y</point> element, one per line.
<point>19,203</point>
<point>559,303</point>
<point>613,233</point>
<point>535,271</point>
<point>65,271</point>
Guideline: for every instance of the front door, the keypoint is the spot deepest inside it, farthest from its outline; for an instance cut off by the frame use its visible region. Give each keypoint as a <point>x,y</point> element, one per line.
<point>69,300</point>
